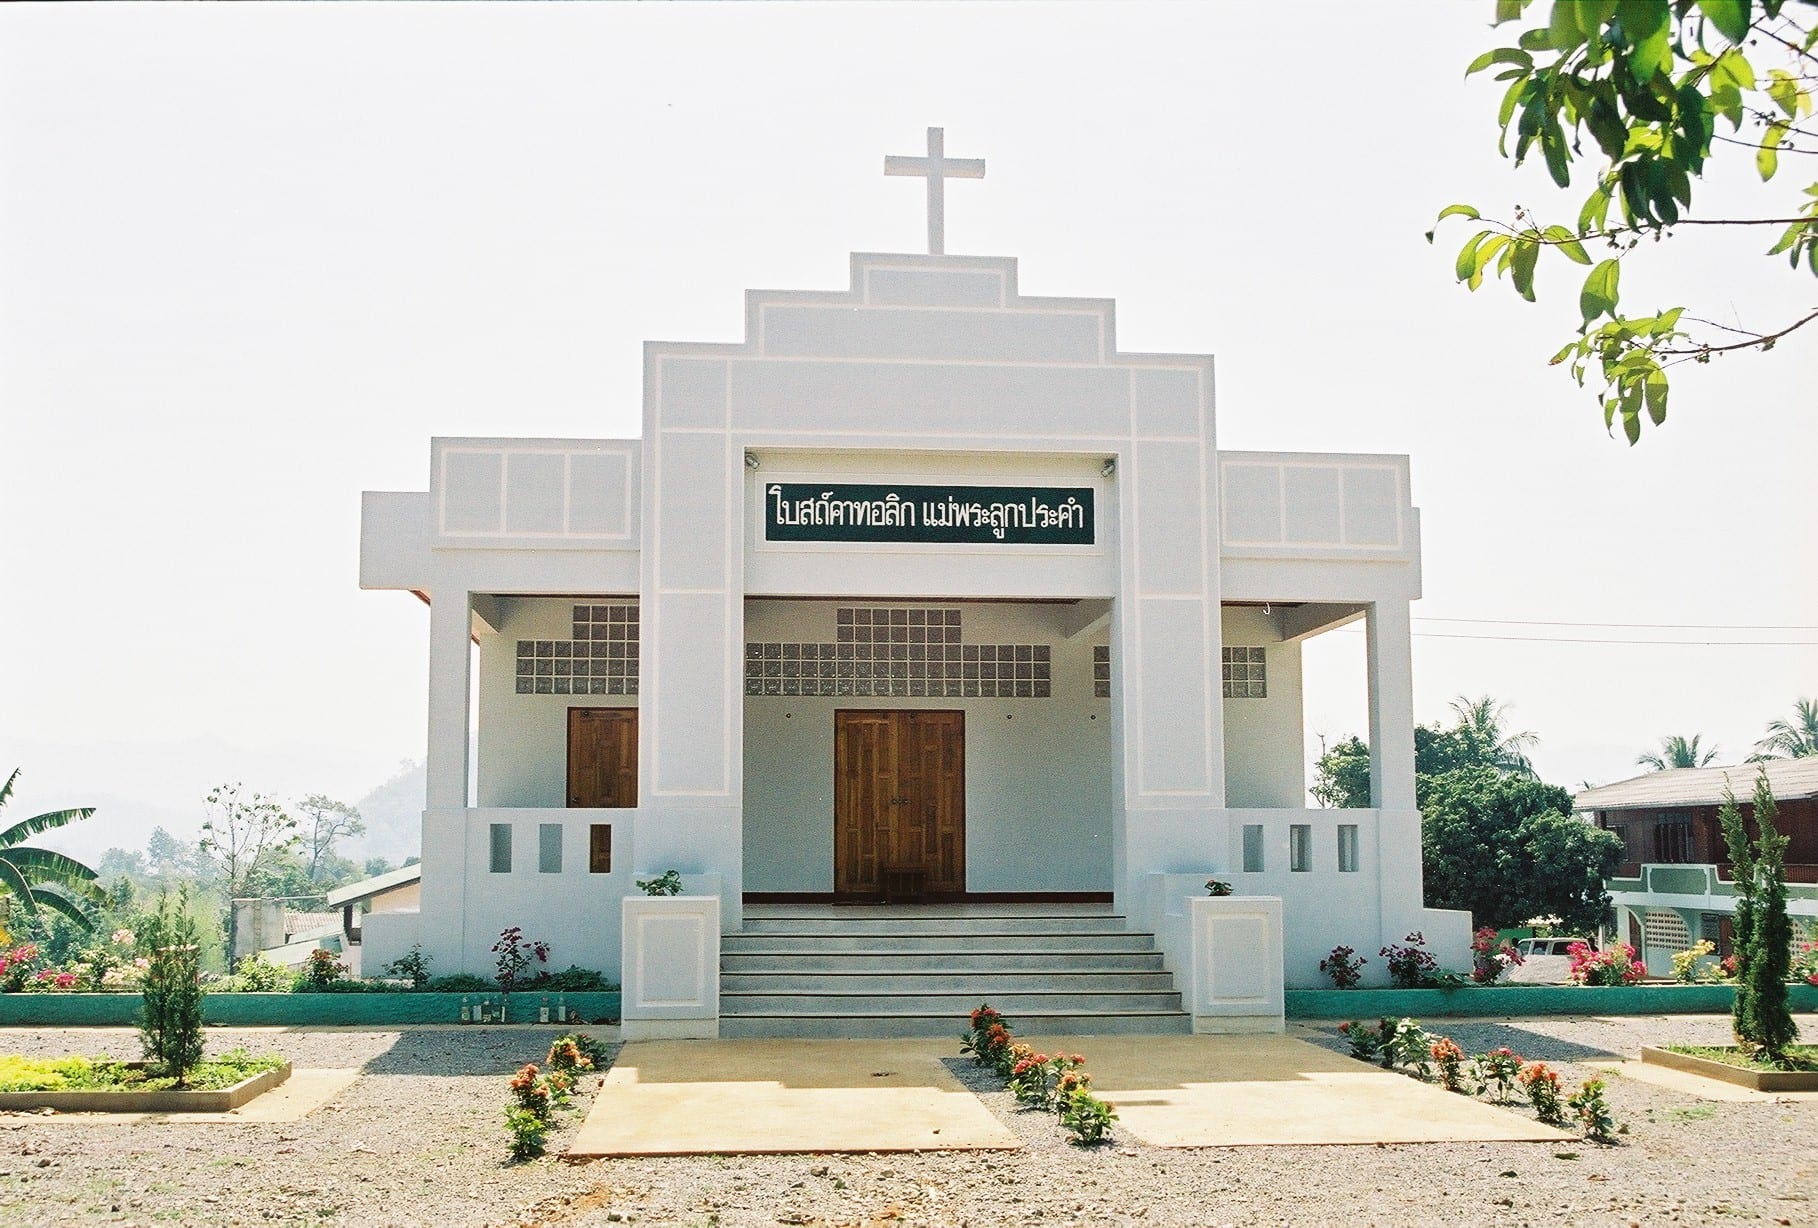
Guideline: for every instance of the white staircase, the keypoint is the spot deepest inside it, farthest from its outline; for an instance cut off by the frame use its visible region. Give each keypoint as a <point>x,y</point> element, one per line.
<point>918,970</point>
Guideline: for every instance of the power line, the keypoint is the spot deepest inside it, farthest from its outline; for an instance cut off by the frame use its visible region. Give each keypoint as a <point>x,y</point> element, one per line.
<point>1567,639</point>
<point>1533,622</point>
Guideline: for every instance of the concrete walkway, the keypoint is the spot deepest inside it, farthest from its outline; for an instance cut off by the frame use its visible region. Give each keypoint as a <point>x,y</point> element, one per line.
<point>772,1096</point>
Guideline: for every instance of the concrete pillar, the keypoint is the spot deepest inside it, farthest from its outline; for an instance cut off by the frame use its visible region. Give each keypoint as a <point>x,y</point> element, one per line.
<point>1387,630</point>
<point>445,836</point>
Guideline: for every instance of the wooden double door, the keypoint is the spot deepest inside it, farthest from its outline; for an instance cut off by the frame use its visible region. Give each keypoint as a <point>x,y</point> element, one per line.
<point>603,757</point>
<point>899,801</point>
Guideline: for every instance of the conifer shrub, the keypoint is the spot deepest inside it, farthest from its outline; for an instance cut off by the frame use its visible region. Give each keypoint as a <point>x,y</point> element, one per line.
<point>170,1020</point>
<point>1762,1017</point>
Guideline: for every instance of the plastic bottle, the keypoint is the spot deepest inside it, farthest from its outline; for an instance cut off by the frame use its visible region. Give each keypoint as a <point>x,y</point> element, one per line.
<point>466,1010</point>
<point>543,1010</point>
<point>561,1010</point>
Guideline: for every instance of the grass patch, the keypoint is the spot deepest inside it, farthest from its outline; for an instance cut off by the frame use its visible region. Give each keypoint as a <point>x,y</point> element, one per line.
<point>81,1074</point>
<point>1800,1059</point>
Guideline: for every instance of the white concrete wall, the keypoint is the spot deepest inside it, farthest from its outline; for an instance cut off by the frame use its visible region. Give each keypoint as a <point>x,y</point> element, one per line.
<point>1038,788</point>
<point>523,739</point>
<point>1264,738</point>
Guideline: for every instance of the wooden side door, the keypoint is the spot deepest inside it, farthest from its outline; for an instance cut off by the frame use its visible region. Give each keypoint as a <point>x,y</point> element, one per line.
<point>603,757</point>
<point>899,799</point>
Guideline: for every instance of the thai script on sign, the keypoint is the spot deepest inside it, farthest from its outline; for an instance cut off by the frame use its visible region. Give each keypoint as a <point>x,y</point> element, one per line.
<point>847,512</point>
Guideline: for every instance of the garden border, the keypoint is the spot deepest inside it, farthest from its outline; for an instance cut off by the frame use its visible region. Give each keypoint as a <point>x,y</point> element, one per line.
<point>168,1100</point>
<point>1707,1068</point>
<point>119,1010</point>
<point>1518,1000</point>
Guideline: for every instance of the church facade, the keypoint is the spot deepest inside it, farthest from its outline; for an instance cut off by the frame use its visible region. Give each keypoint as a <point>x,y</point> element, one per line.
<point>924,590</point>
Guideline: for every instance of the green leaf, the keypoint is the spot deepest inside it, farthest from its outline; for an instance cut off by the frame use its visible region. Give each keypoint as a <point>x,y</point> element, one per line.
<point>1502,55</point>
<point>1553,147</point>
<point>1599,295</point>
<point>1767,158</point>
<point>1655,389</point>
<point>1568,243</point>
<point>1563,31</point>
<point>1466,263</point>
<point>1595,214</point>
<point>1732,66</point>
<point>1482,257</point>
<point>1457,211</point>
<point>1535,39</point>
<point>1521,268</point>
<point>1731,17</point>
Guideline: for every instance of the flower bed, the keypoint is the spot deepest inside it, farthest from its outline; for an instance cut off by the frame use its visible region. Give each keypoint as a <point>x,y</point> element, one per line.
<point>79,1085</point>
<point>1731,1065</point>
<point>1504,1001</point>
<point>118,1010</point>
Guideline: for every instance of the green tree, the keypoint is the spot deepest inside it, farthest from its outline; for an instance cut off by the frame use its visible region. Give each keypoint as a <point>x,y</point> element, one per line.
<point>1767,964</point>
<point>1794,739</point>
<point>1677,752</point>
<point>1507,849</point>
<point>1742,934</point>
<point>1658,86</point>
<point>39,878</point>
<point>1483,739</point>
<point>170,1017</point>
<point>249,837</point>
<point>1341,776</point>
<point>328,821</point>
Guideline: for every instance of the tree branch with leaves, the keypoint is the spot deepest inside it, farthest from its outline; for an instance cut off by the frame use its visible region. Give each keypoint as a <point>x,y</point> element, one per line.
<point>1649,81</point>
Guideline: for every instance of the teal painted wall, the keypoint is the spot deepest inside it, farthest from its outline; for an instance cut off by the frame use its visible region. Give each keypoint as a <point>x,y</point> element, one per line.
<point>1525,1000</point>
<point>114,1010</point>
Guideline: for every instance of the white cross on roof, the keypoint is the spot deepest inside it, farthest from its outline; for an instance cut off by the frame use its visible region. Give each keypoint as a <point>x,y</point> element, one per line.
<point>937,168</point>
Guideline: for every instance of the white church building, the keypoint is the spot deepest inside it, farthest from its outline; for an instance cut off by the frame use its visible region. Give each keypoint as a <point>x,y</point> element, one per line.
<point>926,593</point>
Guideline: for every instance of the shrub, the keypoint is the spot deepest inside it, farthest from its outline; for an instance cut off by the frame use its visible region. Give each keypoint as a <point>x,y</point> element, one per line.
<point>528,1132</point>
<point>257,974</point>
<point>531,1091</point>
<point>1489,959</point>
<point>1496,1072</point>
<point>1367,1040</point>
<point>460,982</point>
<point>1616,965</point>
<point>591,1049</point>
<point>1411,1048</point>
<point>1593,1112</point>
<point>988,1038</point>
<point>565,1056</point>
<point>1087,1118</point>
<point>1410,963</point>
<point>1688,965</point>
<point>412,966</point>
<point>515,955</point>
<point>1217,887</point>
<point>1763,1015</point>
<point>1449,1058</point>
<point>1541,1083</point>
<point>574,980</point>
<point>1035,1080</point>
<point>170,1018</point>
<point>17,966</point>
<point>1344,966</point>
<point>669,882</point>
<point>321,970</point>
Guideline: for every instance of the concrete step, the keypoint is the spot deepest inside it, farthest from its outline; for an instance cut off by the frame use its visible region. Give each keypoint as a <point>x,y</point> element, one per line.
<point>858,1026</point>
<point>884,960</point>
<point>1100,942</point>
<point>929,1001</point>
<point>923,922</point>
<point>973,982</point>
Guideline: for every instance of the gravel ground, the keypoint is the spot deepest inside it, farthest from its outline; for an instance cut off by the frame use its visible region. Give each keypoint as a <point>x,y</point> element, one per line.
<point>418,1140</point>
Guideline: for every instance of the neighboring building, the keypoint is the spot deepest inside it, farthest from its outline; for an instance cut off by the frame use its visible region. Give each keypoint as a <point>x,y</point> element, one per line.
<point>286,936</point>
<point>1674,886</point>
<point>394,891</point>
<point>925,589</point>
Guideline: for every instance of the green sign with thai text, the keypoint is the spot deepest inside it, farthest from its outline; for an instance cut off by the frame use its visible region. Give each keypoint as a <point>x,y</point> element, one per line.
<point>896,512</point>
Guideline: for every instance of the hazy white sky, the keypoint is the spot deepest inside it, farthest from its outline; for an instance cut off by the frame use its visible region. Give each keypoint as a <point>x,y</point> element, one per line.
<point>253,257</point>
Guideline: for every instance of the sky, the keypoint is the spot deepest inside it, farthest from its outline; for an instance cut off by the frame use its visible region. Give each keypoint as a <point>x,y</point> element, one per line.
<point>253,257</point>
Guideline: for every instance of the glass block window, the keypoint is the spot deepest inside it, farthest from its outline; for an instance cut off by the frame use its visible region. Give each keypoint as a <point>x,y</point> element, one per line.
<point>1101,671</point>
<point>549,848</point>
<point>1663,929</point>
<point>1253,848</point>
<point>1243,670</point>
<point>1347,848</point>
<point>899,652</point>
<point>500,836</point>
<point>600,659</point>
<point>1300,847</point>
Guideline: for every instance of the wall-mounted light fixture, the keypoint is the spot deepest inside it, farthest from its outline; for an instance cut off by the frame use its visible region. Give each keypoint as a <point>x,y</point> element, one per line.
<point>751,462</point>
<point>1108,468</point>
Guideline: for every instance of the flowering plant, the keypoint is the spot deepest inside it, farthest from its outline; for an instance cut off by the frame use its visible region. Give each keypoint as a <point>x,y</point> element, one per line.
<point>566,1056</point>
<point>1688,965</point>
<point>1541,1083</point>
<point>1411,1048</point>
<point>322,969</point>
<point>515,956</point>
<point>1035,1079</point>
<point>1343,966</point>
<point>16,966</point>
<point>1489,960</point>
<point>1619,965</point>
<point>1086,1117</point>
<point>1369,1041</point>
<point>1410,963</point>
<point>1594,1115</point>
<point>1496,1071</point>
<point>988,1039</point>
<point>531,1091</point>
<point>1217,886</point>
<point>1449,1058</point>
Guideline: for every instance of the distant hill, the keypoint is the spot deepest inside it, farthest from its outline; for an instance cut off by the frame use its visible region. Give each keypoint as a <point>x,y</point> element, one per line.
<point>394,817</point>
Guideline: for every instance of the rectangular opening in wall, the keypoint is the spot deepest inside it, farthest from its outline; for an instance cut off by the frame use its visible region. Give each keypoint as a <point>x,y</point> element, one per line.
<point>1347,848</point>
<point>599,848</point>
<point>549,848</point>
<point>501,848</point>
<point>1253,848</point>
<point>1300,847</point>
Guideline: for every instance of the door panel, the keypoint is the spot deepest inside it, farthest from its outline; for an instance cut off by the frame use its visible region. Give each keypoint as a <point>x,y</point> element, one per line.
<point>899,799</point>
<point>603,757</point>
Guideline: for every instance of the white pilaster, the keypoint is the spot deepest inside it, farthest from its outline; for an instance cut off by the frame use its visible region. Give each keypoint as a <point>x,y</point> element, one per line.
<point>1386,633</point>
<point>444,900</point>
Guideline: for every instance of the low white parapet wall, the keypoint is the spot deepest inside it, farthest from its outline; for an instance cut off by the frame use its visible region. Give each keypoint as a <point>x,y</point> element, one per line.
<point>1234,978</point>
<point>671,967</point>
